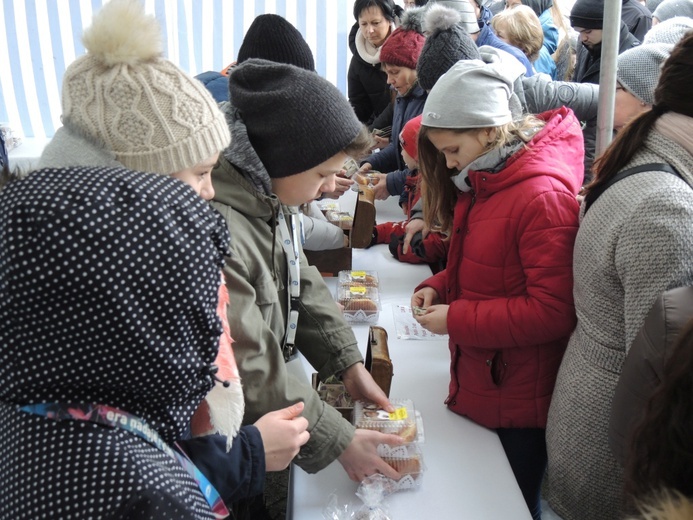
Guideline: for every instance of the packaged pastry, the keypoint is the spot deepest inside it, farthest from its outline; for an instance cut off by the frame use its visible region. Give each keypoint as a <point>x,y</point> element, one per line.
<point>340,218</point>
<point>407,460</point>
<point>401,422</point>
<point>360,303</point>
<point>358,278</point>
<point>326,205</point>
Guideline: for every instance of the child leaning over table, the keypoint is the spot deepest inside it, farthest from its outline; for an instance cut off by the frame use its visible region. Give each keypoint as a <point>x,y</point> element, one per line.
<point>431,249</point>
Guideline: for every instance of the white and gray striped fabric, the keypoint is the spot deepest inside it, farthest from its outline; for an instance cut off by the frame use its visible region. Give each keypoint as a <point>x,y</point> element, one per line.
<point>42,37</point>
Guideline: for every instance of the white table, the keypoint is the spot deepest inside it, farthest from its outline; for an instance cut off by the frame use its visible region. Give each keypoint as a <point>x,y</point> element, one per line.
<point>467,473</point>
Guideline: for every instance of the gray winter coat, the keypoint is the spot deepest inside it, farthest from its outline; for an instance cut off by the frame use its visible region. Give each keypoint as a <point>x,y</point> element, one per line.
<point>635,243</point>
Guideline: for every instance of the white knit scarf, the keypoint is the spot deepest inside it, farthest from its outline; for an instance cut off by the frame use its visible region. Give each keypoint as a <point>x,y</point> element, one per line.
<point>367,51</point>
<point>678,128</point>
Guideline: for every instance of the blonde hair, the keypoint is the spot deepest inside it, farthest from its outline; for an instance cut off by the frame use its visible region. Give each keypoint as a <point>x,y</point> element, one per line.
<point>522,29</point>
<point>438,197</point>
<point>665,505</point>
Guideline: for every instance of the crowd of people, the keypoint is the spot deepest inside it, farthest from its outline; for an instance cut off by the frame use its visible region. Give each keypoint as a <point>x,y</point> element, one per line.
<point>154,292</point>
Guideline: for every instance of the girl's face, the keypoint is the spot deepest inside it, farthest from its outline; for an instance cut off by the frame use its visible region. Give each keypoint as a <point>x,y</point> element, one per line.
<point>306,186</point>
<point>199,177</point>
<point>401,78</point>
<point>461,149</point>
<point>374,26</point>
<point>626,107</point>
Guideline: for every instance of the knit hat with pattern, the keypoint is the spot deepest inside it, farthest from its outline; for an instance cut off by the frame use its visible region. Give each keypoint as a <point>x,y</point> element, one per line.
<point>669,31</point>
<point>404,45</point>
<point>123,95</point>
<point>271,37</point>
<point>670,8</point>
<point>587,14</point>
<point>294,118</point>
<point>409,136</point>
<point>472,94</point>
<point>446,43</point>
<point>639,69</point>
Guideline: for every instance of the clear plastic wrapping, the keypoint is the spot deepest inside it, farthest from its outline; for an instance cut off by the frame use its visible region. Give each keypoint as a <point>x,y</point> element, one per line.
<point>401,422</point>
<point>360,303</point>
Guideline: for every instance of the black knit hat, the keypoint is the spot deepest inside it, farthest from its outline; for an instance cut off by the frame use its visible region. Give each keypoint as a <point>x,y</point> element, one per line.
<point>587,14</point>
<point>271,37</point>
<point>446,44</point>
<point>294,118</point>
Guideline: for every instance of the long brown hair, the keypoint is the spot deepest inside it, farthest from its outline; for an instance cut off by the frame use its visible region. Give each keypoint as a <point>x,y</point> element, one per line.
<point>437,191</point>
<point>672,94</point>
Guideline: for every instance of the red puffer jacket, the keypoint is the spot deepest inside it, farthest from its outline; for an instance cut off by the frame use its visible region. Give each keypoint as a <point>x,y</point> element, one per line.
<point>509,279</point>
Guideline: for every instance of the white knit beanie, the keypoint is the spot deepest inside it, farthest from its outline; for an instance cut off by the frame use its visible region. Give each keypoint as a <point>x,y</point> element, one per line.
<point>639,69</point>
<point>125,96</point>
<point>472,94</point>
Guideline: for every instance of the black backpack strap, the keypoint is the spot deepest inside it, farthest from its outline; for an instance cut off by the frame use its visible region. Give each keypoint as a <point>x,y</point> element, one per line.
<point>594,194</point>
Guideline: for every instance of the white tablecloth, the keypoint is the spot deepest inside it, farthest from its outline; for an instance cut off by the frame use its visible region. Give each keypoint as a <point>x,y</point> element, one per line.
<point>467,473</point>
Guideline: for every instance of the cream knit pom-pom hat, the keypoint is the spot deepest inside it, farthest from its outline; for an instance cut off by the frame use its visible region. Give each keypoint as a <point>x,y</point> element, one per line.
<point>124,95</point>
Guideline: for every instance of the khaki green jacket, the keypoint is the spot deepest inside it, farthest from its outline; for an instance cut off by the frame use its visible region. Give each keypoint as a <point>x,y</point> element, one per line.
<point>257,275</point>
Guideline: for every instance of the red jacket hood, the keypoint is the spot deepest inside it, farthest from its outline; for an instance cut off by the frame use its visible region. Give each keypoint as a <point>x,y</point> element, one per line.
<point>549,152</point>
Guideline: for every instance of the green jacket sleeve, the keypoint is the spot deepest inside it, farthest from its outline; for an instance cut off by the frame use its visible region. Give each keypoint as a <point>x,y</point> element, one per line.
<point>256,315</point>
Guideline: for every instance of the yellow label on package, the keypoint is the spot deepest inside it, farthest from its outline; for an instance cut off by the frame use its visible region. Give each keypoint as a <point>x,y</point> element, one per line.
<point>399,414</point>
<point>357,290</point>
<point>358,274</point>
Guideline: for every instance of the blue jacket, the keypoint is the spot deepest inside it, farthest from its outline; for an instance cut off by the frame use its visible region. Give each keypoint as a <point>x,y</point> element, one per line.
<point>216,83</point>
<point>244,465</point>
<point>389,159</point>
<point>488,37</point>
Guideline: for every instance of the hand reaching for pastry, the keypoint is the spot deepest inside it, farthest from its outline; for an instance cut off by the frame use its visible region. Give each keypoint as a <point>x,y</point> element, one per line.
<point>361,386</point>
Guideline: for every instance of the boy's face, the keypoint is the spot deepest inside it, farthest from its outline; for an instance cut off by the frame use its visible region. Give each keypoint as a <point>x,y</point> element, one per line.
<point>409,160</point>
<point>303,187</point>
<point>199,177</point>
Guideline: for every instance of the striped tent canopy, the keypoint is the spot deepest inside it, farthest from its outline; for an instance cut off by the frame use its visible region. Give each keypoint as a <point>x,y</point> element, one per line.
<point>42,37</point>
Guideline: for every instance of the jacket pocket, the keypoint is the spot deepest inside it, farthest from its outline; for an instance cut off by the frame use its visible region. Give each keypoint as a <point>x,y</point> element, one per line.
<point>497,367</point>
<point>267,298</point>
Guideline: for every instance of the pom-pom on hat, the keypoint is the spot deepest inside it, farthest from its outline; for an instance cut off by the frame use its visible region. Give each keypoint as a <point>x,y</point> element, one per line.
<point>271,37</point>
<point>472,94</point>
<point>409,136</point>
<point>669,31</point>
<point>466,11</point>
<point>587,14</point>
<point>123,95</point>
<point>294,118</point>
<point>639,69</point>
<point>446,43</point>
<point>404,45</point>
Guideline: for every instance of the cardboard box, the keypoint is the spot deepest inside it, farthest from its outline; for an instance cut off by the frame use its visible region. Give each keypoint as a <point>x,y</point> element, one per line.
<point>377,362</point>
<point>329,262</point>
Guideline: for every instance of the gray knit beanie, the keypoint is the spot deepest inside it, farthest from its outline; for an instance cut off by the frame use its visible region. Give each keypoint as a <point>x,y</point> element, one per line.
<point>472,94</point>
<point>446,44</point>
<point>466,11</point>
<point>295,119</point>
<point>669,31</point>
<point>639,69</point>
<point>670,8</point>
<point>123,95</point>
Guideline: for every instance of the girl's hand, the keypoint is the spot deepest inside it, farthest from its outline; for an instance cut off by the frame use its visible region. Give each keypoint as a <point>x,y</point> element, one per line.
<point>435,320</point>
<point>425,298</point>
